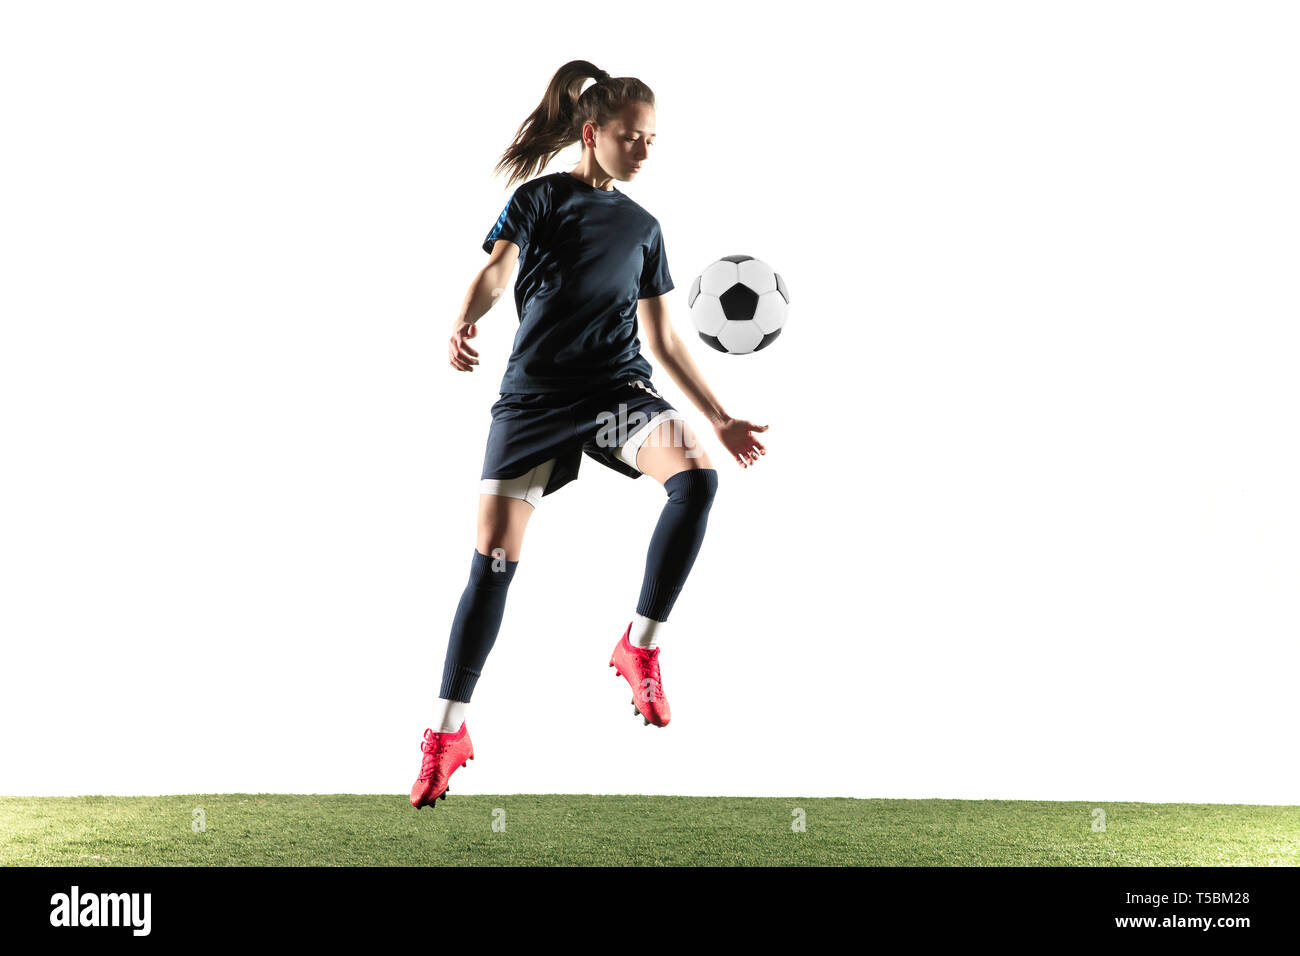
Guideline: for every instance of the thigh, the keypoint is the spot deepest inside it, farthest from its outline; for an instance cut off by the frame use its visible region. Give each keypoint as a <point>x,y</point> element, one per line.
<point>670,448</point>
<point>505,505</point>
<point>501,524</point>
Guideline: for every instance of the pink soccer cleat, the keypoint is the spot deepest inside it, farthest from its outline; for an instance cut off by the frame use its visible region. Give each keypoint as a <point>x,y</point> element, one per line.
<point>444,754</point>
<point>640,667</point>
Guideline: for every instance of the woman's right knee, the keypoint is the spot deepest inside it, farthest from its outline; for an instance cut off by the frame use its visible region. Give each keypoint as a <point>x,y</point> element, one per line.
<point>506,504</point>
<point>502,521</point>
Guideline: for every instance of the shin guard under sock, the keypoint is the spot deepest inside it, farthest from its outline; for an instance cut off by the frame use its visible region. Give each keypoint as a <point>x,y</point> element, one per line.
<point>676,539</point>
<point>474,629</point>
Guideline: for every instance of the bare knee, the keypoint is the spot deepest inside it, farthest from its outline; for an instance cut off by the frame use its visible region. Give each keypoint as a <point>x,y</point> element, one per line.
<point>502,521</point>
<point>670,448</point>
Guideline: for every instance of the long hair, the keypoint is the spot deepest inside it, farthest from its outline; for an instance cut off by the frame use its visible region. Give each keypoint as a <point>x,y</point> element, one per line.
<point>565,108</point>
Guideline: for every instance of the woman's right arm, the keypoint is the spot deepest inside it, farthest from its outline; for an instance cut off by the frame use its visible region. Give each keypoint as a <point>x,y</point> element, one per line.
<point>488,286</point>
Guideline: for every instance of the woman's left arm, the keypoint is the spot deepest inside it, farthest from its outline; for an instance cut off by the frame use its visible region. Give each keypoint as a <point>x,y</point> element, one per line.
<point>736,434</point>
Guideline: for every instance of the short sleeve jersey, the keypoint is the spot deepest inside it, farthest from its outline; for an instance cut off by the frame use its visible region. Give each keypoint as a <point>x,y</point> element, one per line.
<point>586,255</point>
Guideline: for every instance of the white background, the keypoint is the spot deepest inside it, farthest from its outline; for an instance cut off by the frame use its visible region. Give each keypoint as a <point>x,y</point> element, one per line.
<point>1027,526</point>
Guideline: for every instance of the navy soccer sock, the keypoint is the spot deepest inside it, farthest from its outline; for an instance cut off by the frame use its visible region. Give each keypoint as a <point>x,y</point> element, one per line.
<point>676,539</point>
<point>474,629</point>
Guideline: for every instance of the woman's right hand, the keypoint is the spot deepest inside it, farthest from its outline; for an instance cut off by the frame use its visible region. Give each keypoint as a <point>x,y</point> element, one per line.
<point>463,358</point>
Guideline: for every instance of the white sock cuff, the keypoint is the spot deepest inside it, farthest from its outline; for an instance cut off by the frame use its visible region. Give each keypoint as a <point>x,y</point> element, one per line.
<point>448,715</point>
<point>646,631</point>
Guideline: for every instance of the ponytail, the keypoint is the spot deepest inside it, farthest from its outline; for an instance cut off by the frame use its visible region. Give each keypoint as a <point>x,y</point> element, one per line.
<point>564,110</point>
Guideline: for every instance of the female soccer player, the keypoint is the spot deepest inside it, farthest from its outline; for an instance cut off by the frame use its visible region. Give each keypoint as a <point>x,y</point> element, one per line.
<point>591,262</point>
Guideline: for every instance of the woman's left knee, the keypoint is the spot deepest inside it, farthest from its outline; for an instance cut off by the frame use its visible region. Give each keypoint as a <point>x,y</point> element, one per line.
<point>698,486</point>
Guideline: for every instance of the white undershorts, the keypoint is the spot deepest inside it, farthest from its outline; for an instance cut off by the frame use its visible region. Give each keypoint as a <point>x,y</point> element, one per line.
<point>530,485</point>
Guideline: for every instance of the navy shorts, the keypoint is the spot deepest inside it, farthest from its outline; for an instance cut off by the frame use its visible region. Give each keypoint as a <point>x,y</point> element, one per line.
<point>540,438</point>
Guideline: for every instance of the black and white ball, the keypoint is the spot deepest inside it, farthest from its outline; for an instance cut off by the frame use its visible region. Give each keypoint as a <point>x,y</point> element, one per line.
<point>739,304</point>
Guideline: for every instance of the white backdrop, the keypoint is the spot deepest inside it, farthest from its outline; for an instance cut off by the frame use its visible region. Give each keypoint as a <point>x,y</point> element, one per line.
<point>1028,523</point>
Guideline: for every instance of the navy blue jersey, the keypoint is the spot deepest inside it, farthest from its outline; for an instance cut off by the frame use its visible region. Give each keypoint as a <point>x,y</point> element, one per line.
<point>585,256</point>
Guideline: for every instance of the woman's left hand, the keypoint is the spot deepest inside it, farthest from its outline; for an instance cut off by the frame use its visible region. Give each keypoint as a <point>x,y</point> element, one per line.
<point>737,436</point>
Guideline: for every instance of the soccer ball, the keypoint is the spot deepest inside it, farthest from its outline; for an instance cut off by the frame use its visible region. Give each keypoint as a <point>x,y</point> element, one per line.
<point>738,304</point>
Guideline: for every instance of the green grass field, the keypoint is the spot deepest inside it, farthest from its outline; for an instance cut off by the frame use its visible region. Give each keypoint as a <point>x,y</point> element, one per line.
<point>366,830</point>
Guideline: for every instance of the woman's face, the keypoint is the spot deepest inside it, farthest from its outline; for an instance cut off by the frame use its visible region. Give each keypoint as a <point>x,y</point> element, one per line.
<point>625,144</point>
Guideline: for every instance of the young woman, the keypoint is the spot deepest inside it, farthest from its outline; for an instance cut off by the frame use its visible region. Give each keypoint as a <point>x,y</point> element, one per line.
<point>591,264</point>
